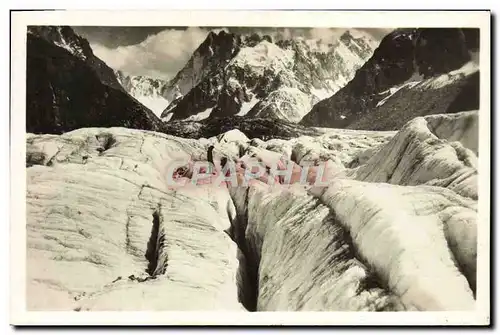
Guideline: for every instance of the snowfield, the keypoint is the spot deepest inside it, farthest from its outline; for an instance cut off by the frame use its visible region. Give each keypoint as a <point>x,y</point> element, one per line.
<point>263,56</point>
<point>156,104</point>
<point>394,229</point>
<point>148,91</point>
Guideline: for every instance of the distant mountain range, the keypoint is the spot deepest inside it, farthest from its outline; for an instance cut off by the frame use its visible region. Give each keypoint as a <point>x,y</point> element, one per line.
<point>352,82</point>
<point>254,76</point>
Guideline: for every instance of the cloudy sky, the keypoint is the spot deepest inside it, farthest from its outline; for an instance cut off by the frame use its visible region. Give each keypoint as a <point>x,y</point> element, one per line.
<point>162,51</point>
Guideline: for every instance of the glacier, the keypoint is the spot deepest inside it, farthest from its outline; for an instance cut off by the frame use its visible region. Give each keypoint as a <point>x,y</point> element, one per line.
<point>393,229</point>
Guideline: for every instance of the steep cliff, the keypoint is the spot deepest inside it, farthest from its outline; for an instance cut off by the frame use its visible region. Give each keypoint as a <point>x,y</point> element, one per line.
<point>69,88</point>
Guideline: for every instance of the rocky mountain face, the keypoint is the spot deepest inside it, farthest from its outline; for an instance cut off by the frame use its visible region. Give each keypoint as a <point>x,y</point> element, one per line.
<point>393,226</point>
<point>255,76</point>
<point>413,72</point>
<point>148,91</point>
<point>68,87</point>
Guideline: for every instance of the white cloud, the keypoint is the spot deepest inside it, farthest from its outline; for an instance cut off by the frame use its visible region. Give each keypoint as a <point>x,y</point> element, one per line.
<point>325,34</point>
<point>160,55</point>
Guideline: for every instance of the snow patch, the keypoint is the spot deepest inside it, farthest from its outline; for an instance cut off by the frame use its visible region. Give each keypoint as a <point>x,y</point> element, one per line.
<point>322,93</point>
<point>395,89</point>
<point>73,49</point>
<point>156,104</point>
<point>286,103</point>
<point>263,56</point>
<point>200,116</point>
<point>247,106</point>
<point>233,83</point>
<point>415,77</point>
<point>167,117</point>
<point>367,38</point>
<point>452,76</point>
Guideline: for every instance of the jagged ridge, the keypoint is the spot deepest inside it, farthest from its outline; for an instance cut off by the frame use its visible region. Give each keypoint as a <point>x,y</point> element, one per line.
<point>69,88</point>
<point>231,74</point>
<point>395,84</point>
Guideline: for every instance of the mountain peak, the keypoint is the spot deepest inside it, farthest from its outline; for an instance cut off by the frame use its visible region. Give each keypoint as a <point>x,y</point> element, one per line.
<point>214,35</point>
<point>69,87</point>
<point>214,52</point>
<point>64,37</point>
<point>346,36</point>
<point>404,58</point>
<point>232,74</point>
<point>218,38</point>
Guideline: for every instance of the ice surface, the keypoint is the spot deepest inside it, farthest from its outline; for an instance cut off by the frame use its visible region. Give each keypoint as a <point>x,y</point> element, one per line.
<point>394,227</point>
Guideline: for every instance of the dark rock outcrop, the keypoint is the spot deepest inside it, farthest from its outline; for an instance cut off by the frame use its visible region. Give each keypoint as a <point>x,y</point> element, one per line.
<point>69,88</point>
<point>66,38</point>
<point>261,128</point>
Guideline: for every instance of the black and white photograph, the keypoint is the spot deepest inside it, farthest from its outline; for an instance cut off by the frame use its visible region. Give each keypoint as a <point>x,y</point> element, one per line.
<point>252,166</point>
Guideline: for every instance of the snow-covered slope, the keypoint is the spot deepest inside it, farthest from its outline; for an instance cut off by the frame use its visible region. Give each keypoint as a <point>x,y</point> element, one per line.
<point>393,228</point>
<point>284,103</point>
<point>253,75</point>
<point>416,155</point>
<point>413,72</point>
<point>148,91</point>
<point>452,92</point>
